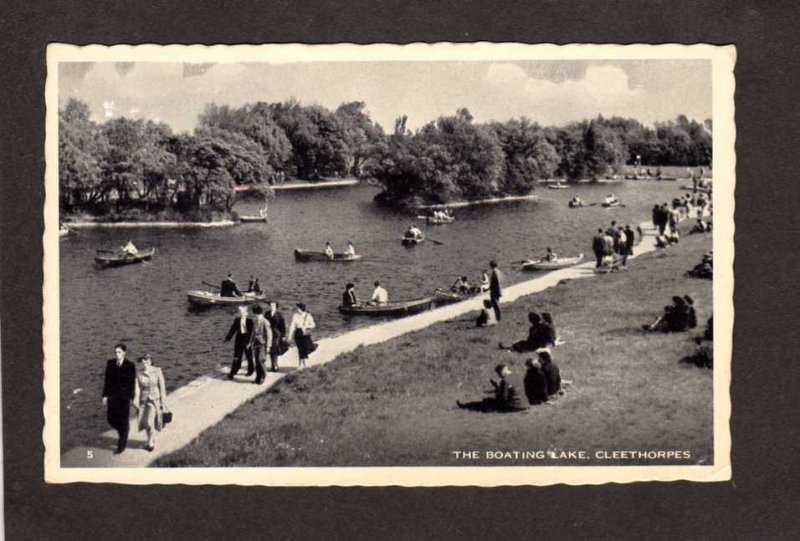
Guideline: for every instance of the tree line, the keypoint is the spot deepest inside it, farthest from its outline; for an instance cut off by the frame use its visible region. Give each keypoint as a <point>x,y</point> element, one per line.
<point>127,163</point>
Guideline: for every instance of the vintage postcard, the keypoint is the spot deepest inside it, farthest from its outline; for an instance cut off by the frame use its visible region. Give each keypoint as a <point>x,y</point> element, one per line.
<point>419,265</point>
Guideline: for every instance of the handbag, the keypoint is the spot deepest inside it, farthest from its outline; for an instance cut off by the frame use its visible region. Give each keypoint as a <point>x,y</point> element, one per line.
<point>166,417</point>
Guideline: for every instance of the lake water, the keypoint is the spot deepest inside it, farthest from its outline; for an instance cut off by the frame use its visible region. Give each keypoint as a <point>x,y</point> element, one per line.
<point>145,305</point>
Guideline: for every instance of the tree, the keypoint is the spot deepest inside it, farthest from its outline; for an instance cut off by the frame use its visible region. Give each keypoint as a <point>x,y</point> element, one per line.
<point>359,134</point>
<point>80,147</point>
<point>528,155</point>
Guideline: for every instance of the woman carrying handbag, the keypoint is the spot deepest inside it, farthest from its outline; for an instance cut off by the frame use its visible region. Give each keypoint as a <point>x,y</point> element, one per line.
<point>150,399</point>
<point>300,331</point>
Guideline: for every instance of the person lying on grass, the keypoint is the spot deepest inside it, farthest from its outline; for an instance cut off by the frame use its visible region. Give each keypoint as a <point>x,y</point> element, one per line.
<point>505,399</point>
<point>540,335</point>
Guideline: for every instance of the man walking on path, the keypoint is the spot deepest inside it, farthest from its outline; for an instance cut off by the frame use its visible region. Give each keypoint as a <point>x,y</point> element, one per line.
<point>261,343</point>
<point>278,325</point>
<point>599,247</point>
<point>241,330</point>
<point>119,388</point>
<point>495,289</point>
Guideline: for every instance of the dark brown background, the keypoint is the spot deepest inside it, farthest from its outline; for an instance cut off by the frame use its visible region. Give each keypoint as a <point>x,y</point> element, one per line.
<point>755,505</point>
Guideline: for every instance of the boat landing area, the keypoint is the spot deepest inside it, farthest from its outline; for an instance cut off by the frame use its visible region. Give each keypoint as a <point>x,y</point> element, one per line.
<point>209,399</point>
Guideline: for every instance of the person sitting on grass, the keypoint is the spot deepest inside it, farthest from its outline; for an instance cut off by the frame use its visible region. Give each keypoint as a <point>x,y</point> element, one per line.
<point>555,385</point>
<point>505,399</point>
<point>703,357</point>
<point>486,318</point>
<point>691,313</point>
<point>547,319</point>
<point>539,336</point>
<point>699,227</point>
<point>535,383</point>
<point>704,269</point>
<point>674,319</point>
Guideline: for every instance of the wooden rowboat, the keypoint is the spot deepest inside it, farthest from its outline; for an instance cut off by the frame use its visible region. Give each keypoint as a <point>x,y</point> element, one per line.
<point>392,309</point>
<point>441,296</point>
<point>338,257</point>
<point>252,218</point>
<point>557,186</point>
<point>543,265</point>
<point>689,187</point>
<point>411,241</point>
<point>119,259</point>
<point>437,221</point>
<point>208,298</point>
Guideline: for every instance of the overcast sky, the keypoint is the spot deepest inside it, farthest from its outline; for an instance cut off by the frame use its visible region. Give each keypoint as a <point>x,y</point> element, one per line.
<point>550,92</point>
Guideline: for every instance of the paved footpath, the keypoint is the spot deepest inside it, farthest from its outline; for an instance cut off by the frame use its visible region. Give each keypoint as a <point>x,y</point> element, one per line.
<point>206,401</point>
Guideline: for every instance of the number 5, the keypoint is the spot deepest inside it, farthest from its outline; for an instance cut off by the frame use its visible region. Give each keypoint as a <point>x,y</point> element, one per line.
<point>89,455</point>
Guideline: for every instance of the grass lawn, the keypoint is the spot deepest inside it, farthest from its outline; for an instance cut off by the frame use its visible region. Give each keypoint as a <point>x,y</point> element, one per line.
<point>395,403</point>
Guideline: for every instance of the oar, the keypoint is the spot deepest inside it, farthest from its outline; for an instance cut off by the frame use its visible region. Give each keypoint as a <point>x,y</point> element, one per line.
<point>210,284</point>
<point>435,241</point>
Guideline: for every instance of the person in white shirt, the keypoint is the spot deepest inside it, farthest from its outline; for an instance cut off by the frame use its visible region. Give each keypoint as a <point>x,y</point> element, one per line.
<point>379,295</point>
<point>484,281</point>
<point>350,250</point>
<point>130,249</point>
<point>300,331</point>
<point>329,250</point>
<point>413,232</point>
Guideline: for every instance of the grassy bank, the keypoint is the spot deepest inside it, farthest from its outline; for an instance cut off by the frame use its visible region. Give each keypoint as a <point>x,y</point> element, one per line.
<point>394,403</point>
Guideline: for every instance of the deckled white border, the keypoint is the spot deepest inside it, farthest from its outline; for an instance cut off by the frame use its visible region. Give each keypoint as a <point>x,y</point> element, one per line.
<point>723,59</point>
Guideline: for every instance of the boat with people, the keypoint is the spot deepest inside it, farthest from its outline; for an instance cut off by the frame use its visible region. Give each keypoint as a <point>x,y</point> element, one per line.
<point>338,257</point>
<point>441,296</point>
<point>545,265</point>
<point>576,202</point>
<point>437,220</point>
<point>392,309</point>
<point>412,241</point>
<point>700,189</point>
<point>209,298</point>
<point>611,201</point>
<point>119,258</point>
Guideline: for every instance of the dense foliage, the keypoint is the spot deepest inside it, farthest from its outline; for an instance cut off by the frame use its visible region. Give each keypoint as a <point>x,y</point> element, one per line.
<point>140,164</point>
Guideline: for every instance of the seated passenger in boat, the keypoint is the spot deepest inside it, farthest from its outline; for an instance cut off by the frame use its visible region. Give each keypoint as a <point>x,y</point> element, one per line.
<point>461,285</point>
<point>329,250</point>
<point>551,255</point>
<point>487,317</point>
<point>256,287</point>
<point>262,212</point>
<point>129,249</point>
<point>485,284</point>
<point>350,250</point>
<point>228,287</point>
<point>379,295</point>
<point>349,296</point>
<point>413,232</point>
<point>610,199</point>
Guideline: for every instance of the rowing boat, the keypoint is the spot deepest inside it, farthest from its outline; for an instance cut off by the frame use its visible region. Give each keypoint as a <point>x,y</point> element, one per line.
<point>252,218</point>
<point>575,204</point>
<point>698,189</point>
<point>119,259</point>
<point>543,265</point>
<point>557,186</point>
<point>394,309</point>
<point>207,298</point>
<point>440,296</point>
<point>338,257</point>
<point>437,221</point>
<point>412,241</point>
<point>614,203</point>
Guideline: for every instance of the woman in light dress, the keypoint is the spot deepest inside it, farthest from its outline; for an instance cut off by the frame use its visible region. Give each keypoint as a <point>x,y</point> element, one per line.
<point>150,399</point>
<point>300,331</point>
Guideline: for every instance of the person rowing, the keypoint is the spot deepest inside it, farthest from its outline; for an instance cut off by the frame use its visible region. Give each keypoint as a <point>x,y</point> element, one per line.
<point>379,295</point>
<point>550,256</point>
<point>329,250</point>
<point>461,285</point>
<point>576,202</point>
<point>350,250</point>
<point>129,249</point>
<point>413,232</point>
<point>610,199</point>
<point>228,287</point>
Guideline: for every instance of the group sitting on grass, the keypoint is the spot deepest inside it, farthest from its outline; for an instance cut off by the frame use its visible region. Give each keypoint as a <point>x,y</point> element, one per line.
<point>680,316</point>
<point>703,357</point>
<point>541,334</point>
<point>542,383</point>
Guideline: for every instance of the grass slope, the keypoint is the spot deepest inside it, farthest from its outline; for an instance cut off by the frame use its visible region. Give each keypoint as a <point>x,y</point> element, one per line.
<point>394,403</point>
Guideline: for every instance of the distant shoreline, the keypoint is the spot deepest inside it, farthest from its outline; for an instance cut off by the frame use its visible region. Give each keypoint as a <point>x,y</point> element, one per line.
<point>161,225</point>
<point>487,201</point>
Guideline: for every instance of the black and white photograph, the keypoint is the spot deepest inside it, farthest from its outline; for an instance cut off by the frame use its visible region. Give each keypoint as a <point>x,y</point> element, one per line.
<point>419,265</point>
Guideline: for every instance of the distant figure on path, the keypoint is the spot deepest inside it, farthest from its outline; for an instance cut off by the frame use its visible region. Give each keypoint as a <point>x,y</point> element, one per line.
<point>379,295</point>
<point>349,297</point>
<point>486,318</point>
<point>495,288</point>
<point>119,389</point>
<point>228,287</point>
<point>260,343</point>
<point>151,394</point>
<point>278,326</point>
<point>129,249</point>
<point>599,247</point>
<point>300,330</point>
<point>329,250</point>
<point>505,397</point>
<point>242,332</point>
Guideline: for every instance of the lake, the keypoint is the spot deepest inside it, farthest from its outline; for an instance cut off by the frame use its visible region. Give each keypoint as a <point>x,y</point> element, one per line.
<point>145,305</point>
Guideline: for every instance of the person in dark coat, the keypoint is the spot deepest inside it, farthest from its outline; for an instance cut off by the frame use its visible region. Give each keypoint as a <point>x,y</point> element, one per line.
<point>540,335</point>
<point>504,399</point>
<point>495,289</point>
<point>599,247</point>
<point>241,330</point>
<point>630,240</point>
<point>349,296</point>
<point>228,287</point>
<point>691,315</point>
<point>278,325</point>
<point>119,389</point>
<point>535,383</point>
<point>551,372</point>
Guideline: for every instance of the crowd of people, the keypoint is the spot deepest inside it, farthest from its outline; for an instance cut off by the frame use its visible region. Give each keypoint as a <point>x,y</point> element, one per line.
<point>613,246</point>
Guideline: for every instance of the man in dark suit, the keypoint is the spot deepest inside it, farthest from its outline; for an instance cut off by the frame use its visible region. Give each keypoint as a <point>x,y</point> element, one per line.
<point>599,247</point>
<point>278,325</point>
<point>241,329</point>
<point>119,388</point>
<point>495,289</point>
<point>228,287</point>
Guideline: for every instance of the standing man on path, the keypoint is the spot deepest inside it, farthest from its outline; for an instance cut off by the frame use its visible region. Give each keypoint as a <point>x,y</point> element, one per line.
<point>278,326</point>
<point>261,343</point>
<point>119,389</point>
<point>241,330</point>
<point>599,247</point>
<point>495,289</point>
